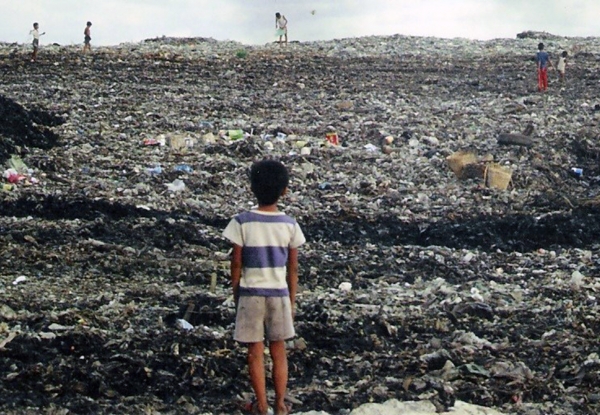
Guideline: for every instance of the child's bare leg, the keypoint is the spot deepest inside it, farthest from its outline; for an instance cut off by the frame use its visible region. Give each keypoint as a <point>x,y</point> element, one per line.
<point>280,374</point>
<point>256,367</point>
<point>285,39</point>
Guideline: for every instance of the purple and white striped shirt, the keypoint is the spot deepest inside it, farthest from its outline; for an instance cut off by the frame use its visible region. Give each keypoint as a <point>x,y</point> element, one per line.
<point>265,238</point>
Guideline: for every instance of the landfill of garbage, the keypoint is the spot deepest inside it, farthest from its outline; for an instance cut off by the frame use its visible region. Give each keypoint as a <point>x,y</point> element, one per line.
<point>451,212</point>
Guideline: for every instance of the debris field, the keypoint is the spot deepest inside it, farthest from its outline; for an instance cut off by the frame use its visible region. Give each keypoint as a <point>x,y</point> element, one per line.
<point>417,283</point>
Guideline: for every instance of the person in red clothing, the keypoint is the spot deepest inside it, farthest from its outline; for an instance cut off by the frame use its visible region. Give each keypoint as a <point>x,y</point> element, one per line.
<point>543,61</point>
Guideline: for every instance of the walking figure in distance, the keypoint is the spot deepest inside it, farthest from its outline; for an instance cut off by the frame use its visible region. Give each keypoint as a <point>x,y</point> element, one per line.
<point>562,65</point>
<point>264,275</point>
<point>543,62</point>
<point>36,40</point>
<point>281,26</point>
<point>87,33</point>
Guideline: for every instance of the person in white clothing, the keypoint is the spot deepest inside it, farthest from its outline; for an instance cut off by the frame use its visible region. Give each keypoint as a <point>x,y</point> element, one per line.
<point>36,40</point>
<point>281,26</point>
<point>562,65</point>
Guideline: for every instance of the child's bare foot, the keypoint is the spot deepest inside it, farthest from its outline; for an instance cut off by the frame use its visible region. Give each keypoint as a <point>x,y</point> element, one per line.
<point>253,408</point>
<point>283,410</point>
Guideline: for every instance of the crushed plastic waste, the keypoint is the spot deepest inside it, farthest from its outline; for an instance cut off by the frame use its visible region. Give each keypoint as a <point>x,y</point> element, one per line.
<point>345,286</point>
<point>235,134</point>
<point>185,168</point>
<point>332,138</point>
<point>176,186</point>
<point>460,291</point>
<point>206,124</point>
<point>184,325</point>
<point>151,142</point>
<point>154,171</point>
<point>19,280</point>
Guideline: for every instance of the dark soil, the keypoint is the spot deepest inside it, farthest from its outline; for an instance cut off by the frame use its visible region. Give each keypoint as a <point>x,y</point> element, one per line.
<point>117,276</point>
<point>22,128</point>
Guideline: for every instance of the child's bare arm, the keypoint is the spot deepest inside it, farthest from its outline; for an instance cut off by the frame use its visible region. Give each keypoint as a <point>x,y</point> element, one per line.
<point>292,275</point>
<point>236,271</point>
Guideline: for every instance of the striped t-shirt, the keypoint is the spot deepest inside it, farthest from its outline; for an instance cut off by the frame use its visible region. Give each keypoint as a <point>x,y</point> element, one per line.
<point>265,238</point>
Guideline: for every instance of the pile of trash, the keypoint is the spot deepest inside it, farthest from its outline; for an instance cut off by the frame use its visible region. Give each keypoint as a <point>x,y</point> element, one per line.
<point>450,211</point>
<point>25,128</point>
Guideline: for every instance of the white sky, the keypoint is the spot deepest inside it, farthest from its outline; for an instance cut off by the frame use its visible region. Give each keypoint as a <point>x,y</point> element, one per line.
<point>253,21</point>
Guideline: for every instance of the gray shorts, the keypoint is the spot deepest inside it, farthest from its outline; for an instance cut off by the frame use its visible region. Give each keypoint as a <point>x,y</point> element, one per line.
<point>255,315</point>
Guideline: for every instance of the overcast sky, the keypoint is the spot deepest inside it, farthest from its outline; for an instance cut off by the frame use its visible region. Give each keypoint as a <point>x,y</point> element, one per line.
<point>253,21</point>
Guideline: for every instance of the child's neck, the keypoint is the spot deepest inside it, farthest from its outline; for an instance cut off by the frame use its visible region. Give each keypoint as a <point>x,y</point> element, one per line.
<point>268,208</point>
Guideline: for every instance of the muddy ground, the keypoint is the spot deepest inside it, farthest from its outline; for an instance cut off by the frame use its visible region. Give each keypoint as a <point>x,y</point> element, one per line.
<point>91,329</point>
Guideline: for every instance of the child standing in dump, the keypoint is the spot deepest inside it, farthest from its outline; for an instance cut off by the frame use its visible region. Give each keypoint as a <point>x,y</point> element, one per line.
<point>264,274</point>
<point>562,65</point>
<point>87,38</point>
<point>281,26</point>
<point>36,40</point>
<point>543,61</point>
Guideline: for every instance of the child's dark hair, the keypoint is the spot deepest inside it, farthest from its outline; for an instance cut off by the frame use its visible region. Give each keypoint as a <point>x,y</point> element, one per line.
<point>268,180</point>
<point>540,46</point>
<point>35,24</point>
<point>89,23</point>
<point>278,15</point>
<point>565,54</point>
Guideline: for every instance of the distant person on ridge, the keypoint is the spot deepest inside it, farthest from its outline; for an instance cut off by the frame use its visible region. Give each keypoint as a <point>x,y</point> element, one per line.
<point>281,26</point>
<point>36,40</point>
<point>562,65</point>
<point>543,61</point>
<point>87,38</point>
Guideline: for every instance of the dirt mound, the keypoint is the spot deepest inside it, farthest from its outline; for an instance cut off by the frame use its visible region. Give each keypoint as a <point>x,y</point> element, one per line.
<point>532,34</point>
<point>25,128</point>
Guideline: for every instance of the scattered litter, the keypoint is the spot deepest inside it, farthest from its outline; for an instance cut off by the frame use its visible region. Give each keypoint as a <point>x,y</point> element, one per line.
<point>19,279</point>
<point>497,176</point>
<point>185,168</point>
<point>333,138</point>
<point>345,286</point>
<point>454,288</point>
<point>154,171</point>
<point>176,186</point>
<point>235,134</point>
<point>184,325</point>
